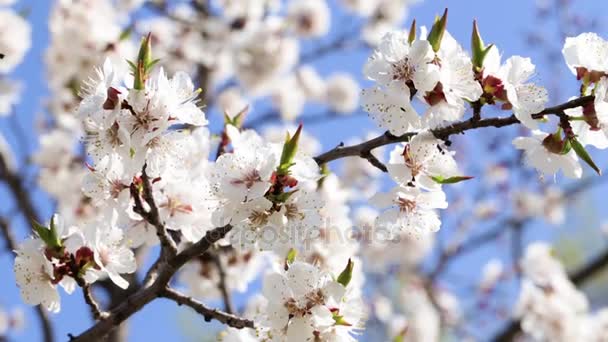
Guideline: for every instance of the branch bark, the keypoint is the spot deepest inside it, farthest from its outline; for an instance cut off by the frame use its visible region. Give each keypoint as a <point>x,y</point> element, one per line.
<point>152,216</point>
<point>364,149</point>
<point>155,286</point>
<point>207,313</point>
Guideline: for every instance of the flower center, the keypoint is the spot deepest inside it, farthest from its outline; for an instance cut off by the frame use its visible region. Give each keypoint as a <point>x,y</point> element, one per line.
<point>249,178</point>
<point>258,218</point>
<point>175,206</point>
<point>406,205</point>
<point>403,70</point>
<point>311,300</point>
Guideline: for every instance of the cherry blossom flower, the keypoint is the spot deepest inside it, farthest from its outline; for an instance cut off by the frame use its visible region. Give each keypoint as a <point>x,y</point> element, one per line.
<point>13,45</point>
<point>586,52</point>
<point>409,210</point>
<point>545,161</point>
<point>34,275</point>
<point>525,98</point>
<point>418,161</point>
<point>304,303</point>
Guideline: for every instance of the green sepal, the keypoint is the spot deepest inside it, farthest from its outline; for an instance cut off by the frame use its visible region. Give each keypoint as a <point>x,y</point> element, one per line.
<point>282,197</point>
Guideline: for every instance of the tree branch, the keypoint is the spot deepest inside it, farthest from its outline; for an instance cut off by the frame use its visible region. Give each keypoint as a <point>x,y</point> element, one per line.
<point>152,216</point>
<point>95,308</point>
<point>155,285</point>
<point>363,149</point>
<point>20,193</point>
<point>222,286</point>
<point>208,314</point>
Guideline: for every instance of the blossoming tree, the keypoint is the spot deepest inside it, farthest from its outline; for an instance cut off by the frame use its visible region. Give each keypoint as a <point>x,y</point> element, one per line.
<point>152,153</point>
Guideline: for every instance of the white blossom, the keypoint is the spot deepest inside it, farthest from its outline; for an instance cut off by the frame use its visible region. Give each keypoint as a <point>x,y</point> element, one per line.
<point>545,161</point>
<point>408,209</point>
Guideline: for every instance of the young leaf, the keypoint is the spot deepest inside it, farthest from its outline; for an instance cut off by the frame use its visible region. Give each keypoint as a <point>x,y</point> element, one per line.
<point>582,153</point>
<point>289,152</point>
<point>347,274</point>
<point>412,34</point>
<point>437,31</point>
<point>478,49</point>
<point>450,180</point>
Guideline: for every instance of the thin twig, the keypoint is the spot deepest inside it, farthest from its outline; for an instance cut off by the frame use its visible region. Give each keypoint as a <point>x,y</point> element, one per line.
<point>152,215</point>
<point>153,288</point>
<point>208,313</point>
<point>443,133</point>
<point>222,286</point>
<point>90,300</point>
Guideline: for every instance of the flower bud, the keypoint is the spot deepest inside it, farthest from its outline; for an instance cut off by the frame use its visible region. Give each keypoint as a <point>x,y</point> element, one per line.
<point>478,49</point>
<point>412,34</point>
<point>289,151</point>
<point>145,63</point>
<point>437,31</point>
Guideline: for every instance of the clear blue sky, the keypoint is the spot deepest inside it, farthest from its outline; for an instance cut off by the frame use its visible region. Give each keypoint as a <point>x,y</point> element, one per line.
<point>501,22</point>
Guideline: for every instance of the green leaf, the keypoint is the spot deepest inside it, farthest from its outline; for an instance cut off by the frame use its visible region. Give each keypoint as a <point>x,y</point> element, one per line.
<point>412,34</point>
<point>40,230</point>
<point>289,152</point>
<point>291,256</point>
<point>282,197</point>
<point>340,320</point>
<point>582,153</point>
<point>126,33</point>
<point>132,66</point>
<point>478,49</point>
<point>144,63</point>
<point>437,31</point>
<point>48,234</point>
<point>450,180</point>
<point>347,274</point>
<point>567,147</point>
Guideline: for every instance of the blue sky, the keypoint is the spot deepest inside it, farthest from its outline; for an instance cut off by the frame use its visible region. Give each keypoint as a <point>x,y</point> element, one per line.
<point>501,22</point>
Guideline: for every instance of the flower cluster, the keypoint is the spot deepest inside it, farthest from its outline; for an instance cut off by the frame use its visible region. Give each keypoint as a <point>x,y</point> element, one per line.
<point>550,305</point>
<point>305,304</point>
<point>67,256</point>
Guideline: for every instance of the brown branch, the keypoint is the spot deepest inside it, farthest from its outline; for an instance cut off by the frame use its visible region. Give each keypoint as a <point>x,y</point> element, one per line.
<point>20,193</point>
<point>152,215</point>
<point>208,313</point>
<point>363,149</point>
<point>153,288</point>
<point>95,308</point>
<point>222,286</point>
